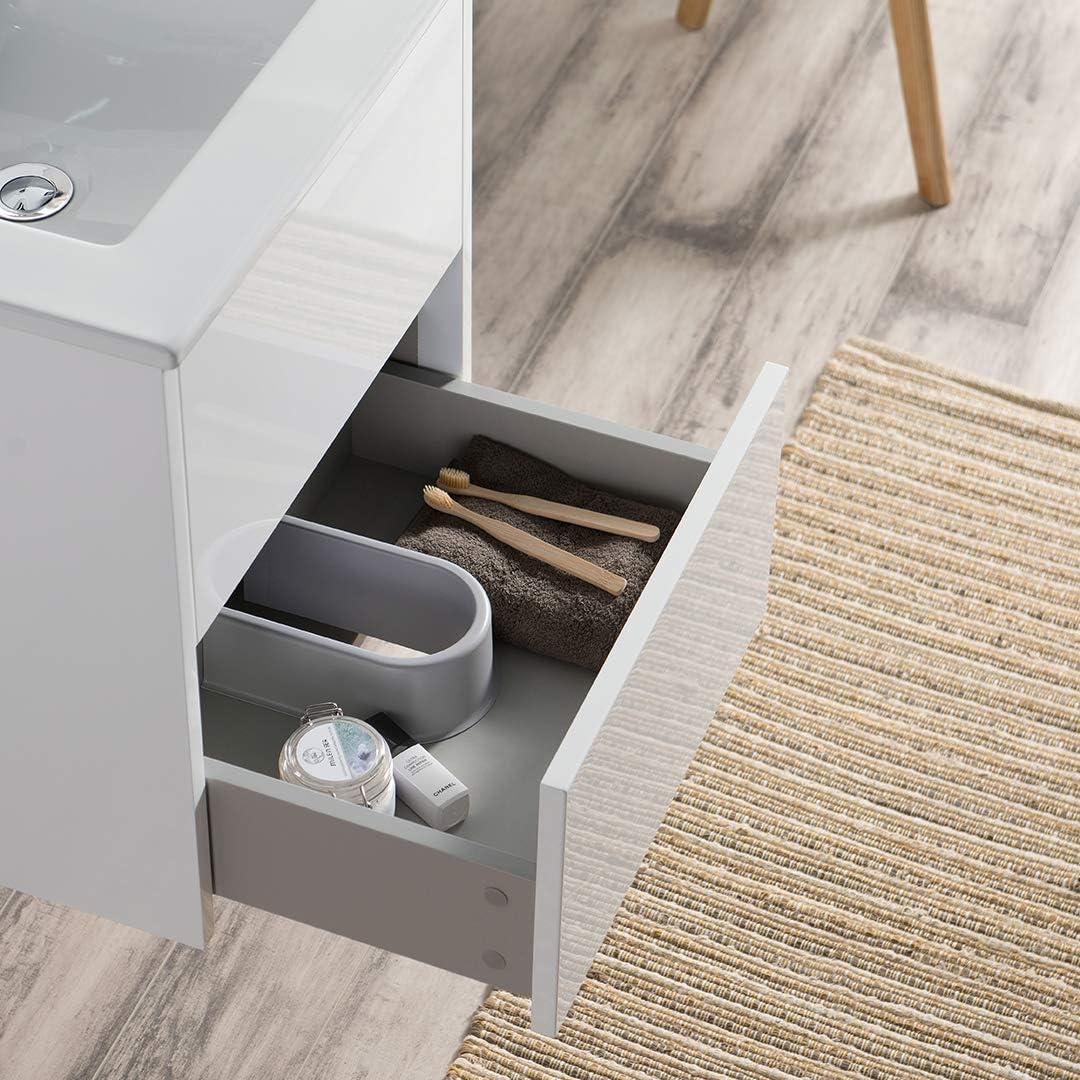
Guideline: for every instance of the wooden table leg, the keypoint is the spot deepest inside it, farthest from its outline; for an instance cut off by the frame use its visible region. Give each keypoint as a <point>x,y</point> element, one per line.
<point>915,52</point>
<point>693,13</point>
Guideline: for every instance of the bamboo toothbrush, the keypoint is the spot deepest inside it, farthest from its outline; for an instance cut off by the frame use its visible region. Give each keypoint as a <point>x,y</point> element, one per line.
<point>457,481</point>
<point>528,544</point>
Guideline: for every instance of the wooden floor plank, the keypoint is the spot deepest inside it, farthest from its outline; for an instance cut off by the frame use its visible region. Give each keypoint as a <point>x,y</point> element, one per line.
<point>991,254</point>
<point>69,982</point>
<point>831,246</point>
<point>993,348</point>
<point>517,58</point>
<point>539,215</point>
<point>251,1006</point>
<point>407,1023</point>
<point>646,302</point>
<point>996,282</point>
<point>1049,361</point>
<point>1041,357</point>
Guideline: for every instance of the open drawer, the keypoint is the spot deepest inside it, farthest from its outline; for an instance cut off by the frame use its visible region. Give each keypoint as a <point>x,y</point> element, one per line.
<point>570,771</point>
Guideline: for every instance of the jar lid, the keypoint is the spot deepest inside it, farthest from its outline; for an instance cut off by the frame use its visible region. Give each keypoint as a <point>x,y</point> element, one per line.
<point>338,755</point>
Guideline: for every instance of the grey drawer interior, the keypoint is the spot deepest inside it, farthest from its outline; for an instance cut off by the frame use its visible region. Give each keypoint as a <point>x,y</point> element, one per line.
<point>514,894</point>
<point>464,899</point>
<point>409,424</point>
<point>501,758</point>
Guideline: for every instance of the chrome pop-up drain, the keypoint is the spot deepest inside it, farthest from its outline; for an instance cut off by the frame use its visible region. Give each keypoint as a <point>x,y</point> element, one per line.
<point>33,191</point>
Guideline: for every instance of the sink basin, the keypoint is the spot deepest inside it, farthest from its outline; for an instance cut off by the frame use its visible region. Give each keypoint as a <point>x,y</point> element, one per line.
<point>190,132</point>
<point>120,94</point>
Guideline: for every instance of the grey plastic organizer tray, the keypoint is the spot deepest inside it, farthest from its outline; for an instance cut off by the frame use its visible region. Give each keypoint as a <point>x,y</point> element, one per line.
<point>327,576</point>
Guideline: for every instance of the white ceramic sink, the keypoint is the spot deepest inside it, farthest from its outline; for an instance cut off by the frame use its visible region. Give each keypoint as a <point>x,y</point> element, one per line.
<point>190,131</point>
<point>121,94</point>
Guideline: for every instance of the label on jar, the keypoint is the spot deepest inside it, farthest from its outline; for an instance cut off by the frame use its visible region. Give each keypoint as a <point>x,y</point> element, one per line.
<point>337,750</point>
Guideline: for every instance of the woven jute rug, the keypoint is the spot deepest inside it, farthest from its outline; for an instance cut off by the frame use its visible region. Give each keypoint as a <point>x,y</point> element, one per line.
<point>873,865</point>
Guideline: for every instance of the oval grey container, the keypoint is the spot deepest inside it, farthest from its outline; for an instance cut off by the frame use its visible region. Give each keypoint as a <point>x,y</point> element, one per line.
<point>336,578</point>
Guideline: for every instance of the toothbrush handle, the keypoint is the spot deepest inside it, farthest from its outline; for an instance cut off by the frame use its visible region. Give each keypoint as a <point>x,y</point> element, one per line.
<point>554,556</point>
<point>574,515</point>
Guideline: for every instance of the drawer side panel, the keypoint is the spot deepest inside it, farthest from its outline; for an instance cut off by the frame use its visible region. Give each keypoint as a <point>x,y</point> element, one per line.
<point>347,870</point>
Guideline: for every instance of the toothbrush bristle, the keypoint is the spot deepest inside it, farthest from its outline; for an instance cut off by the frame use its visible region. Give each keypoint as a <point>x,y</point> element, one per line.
<point>454,479</point>
<point>437,498</point>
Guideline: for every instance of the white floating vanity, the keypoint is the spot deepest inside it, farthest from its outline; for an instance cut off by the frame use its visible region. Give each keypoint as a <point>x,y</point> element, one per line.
<point>253,304</point>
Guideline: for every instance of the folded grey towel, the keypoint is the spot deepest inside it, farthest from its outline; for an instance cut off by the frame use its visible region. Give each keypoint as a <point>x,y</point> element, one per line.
<point>532,604</point>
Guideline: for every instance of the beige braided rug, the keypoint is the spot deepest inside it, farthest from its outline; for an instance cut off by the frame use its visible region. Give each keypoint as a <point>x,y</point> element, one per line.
<point>873,866</point>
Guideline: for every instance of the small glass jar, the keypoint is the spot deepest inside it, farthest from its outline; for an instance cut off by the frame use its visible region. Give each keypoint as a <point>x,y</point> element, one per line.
<point>340,756</point>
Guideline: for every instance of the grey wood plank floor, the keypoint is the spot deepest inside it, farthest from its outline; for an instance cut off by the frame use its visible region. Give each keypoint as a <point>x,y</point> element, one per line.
<point>657,214</point>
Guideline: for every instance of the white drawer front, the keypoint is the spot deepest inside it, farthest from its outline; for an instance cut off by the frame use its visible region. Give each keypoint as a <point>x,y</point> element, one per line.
<point>615,772</point>
<point>280,369</point>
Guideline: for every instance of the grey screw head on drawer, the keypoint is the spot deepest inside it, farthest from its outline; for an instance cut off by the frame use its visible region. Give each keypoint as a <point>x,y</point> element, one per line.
<point>496,897</point>
<point>494,960</point>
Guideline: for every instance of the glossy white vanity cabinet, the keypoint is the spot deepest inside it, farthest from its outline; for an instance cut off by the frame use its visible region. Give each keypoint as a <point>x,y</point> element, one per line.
<point>192,349</point>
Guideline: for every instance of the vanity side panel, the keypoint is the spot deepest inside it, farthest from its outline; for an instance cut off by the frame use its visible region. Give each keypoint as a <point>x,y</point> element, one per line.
<point>102,743</point>
<point>444,327</point>
<point>277,373</point>
<point>609,784</point>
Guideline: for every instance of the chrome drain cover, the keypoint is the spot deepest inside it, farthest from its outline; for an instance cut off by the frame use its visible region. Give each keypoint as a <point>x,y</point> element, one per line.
<point>33,191</point>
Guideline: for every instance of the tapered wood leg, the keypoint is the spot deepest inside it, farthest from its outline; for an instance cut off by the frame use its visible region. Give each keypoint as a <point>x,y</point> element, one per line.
<point>693,13</point>
<point>915,52</point>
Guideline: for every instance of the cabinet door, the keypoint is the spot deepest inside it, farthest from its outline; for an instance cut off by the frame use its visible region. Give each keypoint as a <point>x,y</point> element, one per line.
<point>611,780</point>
